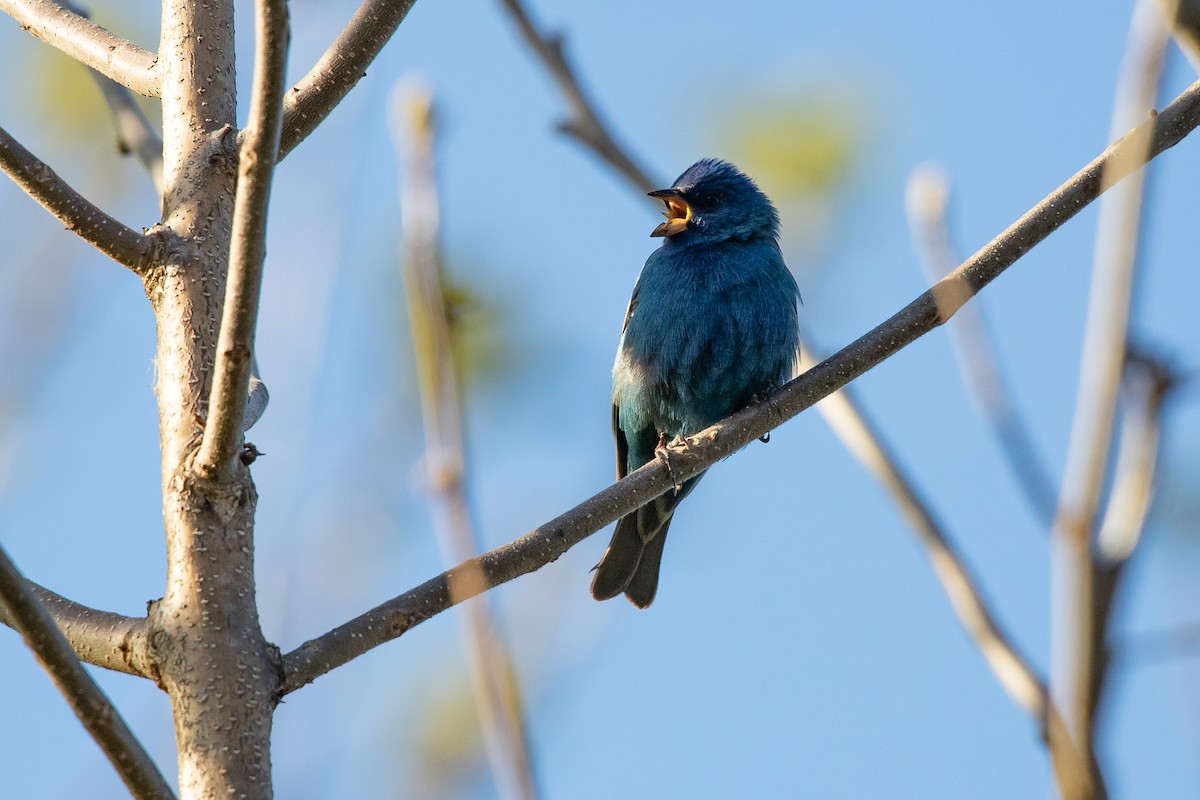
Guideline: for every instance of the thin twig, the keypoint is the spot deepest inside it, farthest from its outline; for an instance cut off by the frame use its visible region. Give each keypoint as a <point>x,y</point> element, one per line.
<point>108,235</point>
<point>927,201</point>
<point>584,123</point>
<point>88,43</point>
<point>100,638</point>
<point>1147,382</point>
<point>1083,587</point>
<point>248,246</point>
<point>1149,647</point>
<point>135,134</point>
<point>95,711</point>
<point>492,674</point>
<point>315,96</point>
<point>546,543</point>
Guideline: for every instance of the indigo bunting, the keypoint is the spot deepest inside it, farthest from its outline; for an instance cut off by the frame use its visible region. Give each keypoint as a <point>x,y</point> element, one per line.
<point>710,328</point>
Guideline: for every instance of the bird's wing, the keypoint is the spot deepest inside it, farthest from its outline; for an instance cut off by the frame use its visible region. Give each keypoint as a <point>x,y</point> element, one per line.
<point>618,434</point>
<point>622,443</point>
<point>633,301</point>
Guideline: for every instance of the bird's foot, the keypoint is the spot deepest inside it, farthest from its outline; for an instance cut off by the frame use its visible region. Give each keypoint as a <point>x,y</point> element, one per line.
<point>663,451</point>
<point>767,395</point>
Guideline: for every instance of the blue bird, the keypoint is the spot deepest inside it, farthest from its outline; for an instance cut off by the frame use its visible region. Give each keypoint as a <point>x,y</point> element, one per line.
<point>711,327</point>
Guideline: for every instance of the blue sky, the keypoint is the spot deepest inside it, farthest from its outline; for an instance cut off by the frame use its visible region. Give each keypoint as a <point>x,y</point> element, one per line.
<point>800,645</point>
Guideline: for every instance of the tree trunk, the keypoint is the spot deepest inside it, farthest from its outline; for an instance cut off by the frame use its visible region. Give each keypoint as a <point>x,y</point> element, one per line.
<point>222,676</point>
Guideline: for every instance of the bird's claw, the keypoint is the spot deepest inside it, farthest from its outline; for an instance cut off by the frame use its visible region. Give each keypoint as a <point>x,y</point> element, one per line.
<point>663,451</point>
<point>767,396</point>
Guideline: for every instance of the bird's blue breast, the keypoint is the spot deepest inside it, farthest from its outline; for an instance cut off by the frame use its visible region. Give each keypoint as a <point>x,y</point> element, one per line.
<point>710,326</point>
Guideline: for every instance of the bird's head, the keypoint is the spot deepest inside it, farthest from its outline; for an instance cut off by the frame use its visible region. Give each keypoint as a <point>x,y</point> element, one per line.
<point>714,201</point>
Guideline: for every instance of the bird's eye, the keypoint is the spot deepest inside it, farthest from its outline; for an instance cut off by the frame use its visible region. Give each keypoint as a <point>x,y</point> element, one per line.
<point>709,201</point>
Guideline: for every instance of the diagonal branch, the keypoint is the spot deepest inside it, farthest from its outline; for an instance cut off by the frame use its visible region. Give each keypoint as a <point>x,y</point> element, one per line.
<point>100,638</point>
<point>927,201</point>
<point>20,605</point>
<point>1012,669</point>
<point>88,43</point>
<point>315,96</point>
<point>929,310</point>
<point>134,132</point>
<point>248,247</point>
<point>77,213</point>
<point>584,123</point>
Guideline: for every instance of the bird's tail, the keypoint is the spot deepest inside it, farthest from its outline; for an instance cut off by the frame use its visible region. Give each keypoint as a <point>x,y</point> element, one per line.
<point>631,562</point>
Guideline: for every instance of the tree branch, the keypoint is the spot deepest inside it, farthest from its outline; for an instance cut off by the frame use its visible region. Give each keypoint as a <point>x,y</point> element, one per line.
<point>315,96</point>
<point>19,603</point>
<point>77,213</point>
<point>927,202</point>
<point>134,132</point>
<point>1147,382</point>
<point>929,310</point>
<point>1184,18</point>
<point>1082,586</point>
<point>226,422</point>
<point>88,43</point>
<point>493,678</point>
<point>1012,669</point>
<point>584,124</point>
<point>100,638</point>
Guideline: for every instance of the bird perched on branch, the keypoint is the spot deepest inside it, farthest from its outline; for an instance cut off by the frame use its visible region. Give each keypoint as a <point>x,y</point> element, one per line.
<point>711,327</point>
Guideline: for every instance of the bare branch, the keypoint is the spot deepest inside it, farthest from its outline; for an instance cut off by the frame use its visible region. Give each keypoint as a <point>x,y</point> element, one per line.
<point>77,213</point>
<point>135,134</point>
<point>926,312</point>
<point>100,638</point>
<point>584,123</point>
<point>1082,586</point>
<point>315,96</point>
<point>1147,382</point>
<point>492,673</point>
<point>927,201</point>
<point>88,43</point>
<point>235,345</point>
<point>1150,647</point>
<point>1014,671</point>
<point>1184,19</point>
<point>20,604</point>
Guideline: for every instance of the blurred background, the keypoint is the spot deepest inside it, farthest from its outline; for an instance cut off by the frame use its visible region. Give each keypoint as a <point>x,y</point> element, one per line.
<point>800,644</point>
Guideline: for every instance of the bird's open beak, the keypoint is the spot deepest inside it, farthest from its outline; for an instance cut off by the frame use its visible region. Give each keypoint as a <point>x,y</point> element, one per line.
<point>678,213</point>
